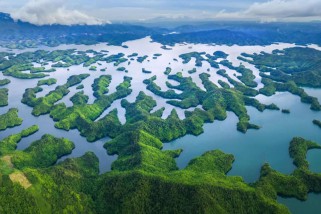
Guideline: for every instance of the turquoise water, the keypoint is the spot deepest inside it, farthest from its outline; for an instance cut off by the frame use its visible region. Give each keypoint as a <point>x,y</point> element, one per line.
<point>256,147</point>
<point>310,206</point>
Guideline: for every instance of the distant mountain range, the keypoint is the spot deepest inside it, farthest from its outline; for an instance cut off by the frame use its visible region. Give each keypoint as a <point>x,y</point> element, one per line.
<point>27,34</point>
<point>18,34</point>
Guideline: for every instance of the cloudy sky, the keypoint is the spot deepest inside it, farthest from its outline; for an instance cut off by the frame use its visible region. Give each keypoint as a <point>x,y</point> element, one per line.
<point>104,11</point>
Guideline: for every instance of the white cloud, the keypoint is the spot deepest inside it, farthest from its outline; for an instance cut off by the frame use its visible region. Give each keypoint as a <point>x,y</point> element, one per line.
<point>279,10</point>
<point>48,12</point>
<point>286,8</point>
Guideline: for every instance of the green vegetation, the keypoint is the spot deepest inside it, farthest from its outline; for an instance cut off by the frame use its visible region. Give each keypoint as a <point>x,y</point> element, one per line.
<point>93,68</point>
<point>132,55</point>
<point>247,76</point>
<point>144,145</point>
<point>224,84</point>
<point>79,98</point>
<point>298,150</point>
<point>50,81</point>
<point>167,71</point>
<point>270,87</point>
<point>82,116</point>
<point>300,182</point>
<point>63,188</point>
<point>121,69</point>
<point>17,72</point>
<point>4,82</point>
<point>199,58</point>
<point>100,86</point>
<point>10,119</point>
<point>3,97</point>
<point>285,111</point>
<point>42,153</point>
<point>117,59</point>
<point>21,65</point>
<point>239,86</point>
<point>220,54</point>
<point>146,180</point>
<point>141,59</point>
<point>165,47</point>
<point>81,86</point>
<point>317,123</point>
<point>215,101</point>
<point>300,65</point>
<point>143,178</point>
<point>15,199</point>
<point>192,71</point>
<point>287,70</point>
<point>9,144</point>
<point>146,71</point>
<point>43,105</point>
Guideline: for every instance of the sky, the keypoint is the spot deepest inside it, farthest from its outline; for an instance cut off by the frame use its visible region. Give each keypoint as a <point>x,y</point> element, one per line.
<point>93,12</point>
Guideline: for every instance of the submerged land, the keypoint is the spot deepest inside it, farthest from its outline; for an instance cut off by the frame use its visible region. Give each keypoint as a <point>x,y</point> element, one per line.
<point>144,89</point>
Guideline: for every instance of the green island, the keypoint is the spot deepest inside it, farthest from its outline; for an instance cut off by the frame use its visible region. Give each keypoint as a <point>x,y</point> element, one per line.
<point>247,76</point>
<point>198,58</point>
<point>21,65</point>
<point>42,153</point>
<point>141,59</point>
<point>167,71</point>
<point>10,119</point>
<point>317,123</point>
<point>121,69</point>
<point>202,56</point>
<point>271,87</point>
<point>3,97</point>
<point>81,86</point>
<point>164,47</point>
<point>82,116</point>
<point>44,104</point>
<point>4,82</point>
<point>192,71</point>
<point>100,85</point>
<point>50,81</point>
<point>93,68</point>
<point>132,55</point>
<point>146,71</point>
<point>237,85</point>
<point>300,182</point>
<point>297,64</point>
<point>215,101</point>
<point>9,144</point>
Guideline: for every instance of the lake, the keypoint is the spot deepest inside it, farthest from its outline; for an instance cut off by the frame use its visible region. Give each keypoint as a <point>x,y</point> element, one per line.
<point>251,150</point>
